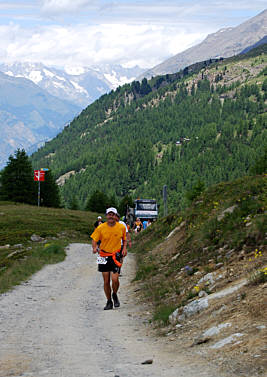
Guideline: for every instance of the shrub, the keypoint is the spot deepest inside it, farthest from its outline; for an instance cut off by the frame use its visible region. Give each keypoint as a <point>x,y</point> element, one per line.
<point>258,277</point>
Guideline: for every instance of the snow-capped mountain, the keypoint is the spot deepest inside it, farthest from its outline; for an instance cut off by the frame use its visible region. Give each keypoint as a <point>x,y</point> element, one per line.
<point>36,101</point>
<point>79,85</point>
<point>29,115</point>
<point>117,75</point>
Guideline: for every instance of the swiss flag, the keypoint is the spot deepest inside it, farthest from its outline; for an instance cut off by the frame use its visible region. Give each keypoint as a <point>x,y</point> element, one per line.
<point>39,175</point>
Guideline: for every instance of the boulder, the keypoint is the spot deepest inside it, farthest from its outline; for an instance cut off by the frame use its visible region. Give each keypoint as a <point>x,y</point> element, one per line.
<point>226,211</point>
<point>208,278</point>
<point>189,310</point>
<point>18,246</point>
<point>5,246</point>
<point>36,238</point>
<point>216,329</point>
<point>230,339</point>
<point>175,230</point>
<point>202,294</point>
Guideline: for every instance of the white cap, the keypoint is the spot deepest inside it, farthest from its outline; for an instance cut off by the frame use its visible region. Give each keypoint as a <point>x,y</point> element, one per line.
<point>111,209</point>
<point>99,217</point>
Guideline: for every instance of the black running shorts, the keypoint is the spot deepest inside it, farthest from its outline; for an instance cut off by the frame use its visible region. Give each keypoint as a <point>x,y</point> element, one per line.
<point>110,266</point>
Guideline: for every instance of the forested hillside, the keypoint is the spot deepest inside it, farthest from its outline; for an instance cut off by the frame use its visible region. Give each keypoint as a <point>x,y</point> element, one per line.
<point>207,122</point>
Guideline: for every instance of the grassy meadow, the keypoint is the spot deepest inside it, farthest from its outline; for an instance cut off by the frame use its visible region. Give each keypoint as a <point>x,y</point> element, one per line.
<point>19,256</point>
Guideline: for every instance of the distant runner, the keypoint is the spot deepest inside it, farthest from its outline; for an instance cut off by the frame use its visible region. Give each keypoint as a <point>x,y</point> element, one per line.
<point>110,234</point>
<point>99,221</point>
<point>138,226</point>
<point>145,222</point>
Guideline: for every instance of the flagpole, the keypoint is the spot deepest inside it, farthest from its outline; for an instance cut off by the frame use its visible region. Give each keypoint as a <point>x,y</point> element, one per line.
<point>39,192</point>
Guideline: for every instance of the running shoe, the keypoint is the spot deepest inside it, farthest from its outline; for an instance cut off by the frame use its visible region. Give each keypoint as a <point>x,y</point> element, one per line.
<point>109,305</point>
<point>116,300</point>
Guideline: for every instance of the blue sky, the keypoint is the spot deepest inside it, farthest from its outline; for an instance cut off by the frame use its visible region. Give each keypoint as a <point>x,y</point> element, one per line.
<point>129,32</point>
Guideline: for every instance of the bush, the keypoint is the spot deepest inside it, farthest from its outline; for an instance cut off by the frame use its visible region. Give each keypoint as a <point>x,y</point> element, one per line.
<point>258,277</point>
<point>163,313</point>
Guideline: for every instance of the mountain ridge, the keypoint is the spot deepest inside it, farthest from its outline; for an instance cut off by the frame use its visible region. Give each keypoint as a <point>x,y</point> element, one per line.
<point>225,42</point>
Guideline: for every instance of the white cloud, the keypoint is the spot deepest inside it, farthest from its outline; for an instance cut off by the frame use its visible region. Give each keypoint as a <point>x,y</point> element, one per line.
<point>84,45</point>
<point>87,32</point>
<point>54,7</point>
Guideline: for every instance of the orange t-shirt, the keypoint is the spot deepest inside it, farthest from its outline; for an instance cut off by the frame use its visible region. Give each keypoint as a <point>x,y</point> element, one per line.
<point>110,236</point>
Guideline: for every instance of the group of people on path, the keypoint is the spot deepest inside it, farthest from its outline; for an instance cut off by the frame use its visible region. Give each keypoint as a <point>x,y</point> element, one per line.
<point>109,240</point>
<point>139,225</point>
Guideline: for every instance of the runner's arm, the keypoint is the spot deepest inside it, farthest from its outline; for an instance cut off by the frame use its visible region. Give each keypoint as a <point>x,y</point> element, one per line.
<point>124,250</point>
<point>94,246</point>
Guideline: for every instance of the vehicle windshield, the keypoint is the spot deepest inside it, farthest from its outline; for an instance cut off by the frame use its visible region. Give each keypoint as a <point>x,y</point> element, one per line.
<point>146,206</point>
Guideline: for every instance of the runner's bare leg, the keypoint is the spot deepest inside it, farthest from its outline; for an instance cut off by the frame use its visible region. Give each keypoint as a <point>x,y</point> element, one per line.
<point>107,289</point>
<point>115,282</point>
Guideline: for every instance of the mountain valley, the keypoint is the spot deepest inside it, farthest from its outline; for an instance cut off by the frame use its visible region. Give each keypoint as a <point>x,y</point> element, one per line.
<point>27,121</point>
<point>206,122</point>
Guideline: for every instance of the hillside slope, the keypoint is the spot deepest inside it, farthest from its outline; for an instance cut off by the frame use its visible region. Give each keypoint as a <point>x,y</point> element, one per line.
<point>204,273</point>
<point>207,121</point>
<point>225,42</point>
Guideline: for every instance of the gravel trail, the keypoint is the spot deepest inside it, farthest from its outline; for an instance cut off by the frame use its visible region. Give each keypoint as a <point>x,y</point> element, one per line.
<point>54,325</point>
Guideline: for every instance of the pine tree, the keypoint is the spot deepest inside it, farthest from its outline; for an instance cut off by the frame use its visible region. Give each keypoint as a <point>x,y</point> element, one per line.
<point>49,191</point>
<point>17,180</point>
<point>73,204</point>
<point>260,166</point>
<point>126,201</point>
<point>98,202</point>
<point>145,87</point>
<point>112,201</point>
<point>196,191</point>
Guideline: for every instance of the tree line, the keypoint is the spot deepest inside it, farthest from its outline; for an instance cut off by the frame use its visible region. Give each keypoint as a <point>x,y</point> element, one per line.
<point>17,183</point>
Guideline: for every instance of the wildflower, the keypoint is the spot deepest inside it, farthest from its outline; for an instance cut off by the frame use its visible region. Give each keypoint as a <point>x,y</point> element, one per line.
<point>196,288</point>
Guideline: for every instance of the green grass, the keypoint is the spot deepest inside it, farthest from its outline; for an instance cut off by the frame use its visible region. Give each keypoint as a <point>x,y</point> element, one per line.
<point>58,227</point>
<point>15,271</point>
<point>19,221</point>
<point>145,271</point>
<point>162,314</point>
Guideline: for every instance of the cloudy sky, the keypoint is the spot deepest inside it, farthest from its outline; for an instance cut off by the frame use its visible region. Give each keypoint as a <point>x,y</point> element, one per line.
<point>128,32</point>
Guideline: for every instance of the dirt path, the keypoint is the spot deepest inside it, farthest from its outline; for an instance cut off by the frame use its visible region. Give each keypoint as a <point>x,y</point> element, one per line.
<point>54,325</point>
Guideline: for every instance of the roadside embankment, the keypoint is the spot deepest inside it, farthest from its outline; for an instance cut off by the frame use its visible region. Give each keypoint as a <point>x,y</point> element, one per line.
<point>205,271</point>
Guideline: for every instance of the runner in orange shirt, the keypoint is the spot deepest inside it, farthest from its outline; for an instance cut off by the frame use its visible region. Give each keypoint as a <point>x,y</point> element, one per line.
<point>110,234</point>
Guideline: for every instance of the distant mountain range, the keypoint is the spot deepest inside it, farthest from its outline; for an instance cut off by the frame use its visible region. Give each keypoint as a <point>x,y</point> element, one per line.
<point>224,43</point>
<point>37,101</point>
<point>29,115</point>
<point>78,85</point>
